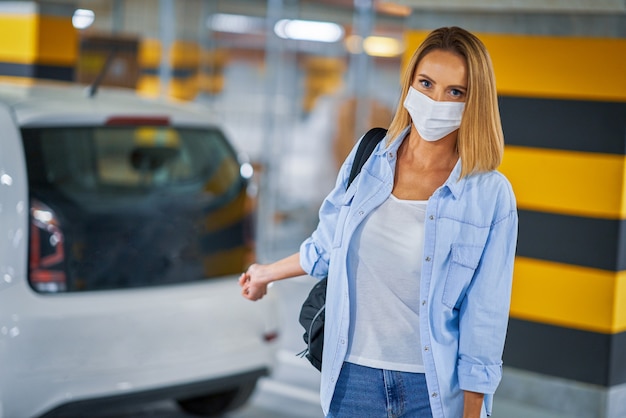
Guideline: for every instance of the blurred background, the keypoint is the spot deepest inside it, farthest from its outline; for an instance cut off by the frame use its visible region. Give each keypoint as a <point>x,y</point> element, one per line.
<point>294,83</point>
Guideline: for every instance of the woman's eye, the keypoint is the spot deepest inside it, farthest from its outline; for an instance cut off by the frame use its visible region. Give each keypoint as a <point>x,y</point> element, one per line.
<point>456,93</point>
<point>425,83</point>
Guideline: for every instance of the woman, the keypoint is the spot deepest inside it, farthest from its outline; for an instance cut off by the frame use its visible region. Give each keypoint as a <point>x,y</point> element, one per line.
<point>418,250</point>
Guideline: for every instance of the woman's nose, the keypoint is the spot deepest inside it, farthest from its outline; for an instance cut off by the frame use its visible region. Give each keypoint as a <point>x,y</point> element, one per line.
<point>437,95</point>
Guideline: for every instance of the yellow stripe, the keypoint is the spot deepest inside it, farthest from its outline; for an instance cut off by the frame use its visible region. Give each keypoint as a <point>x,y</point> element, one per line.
<point>567,182</point>
<point>28,39</point>
<point>559,67</point>
<point>619,302</point>
<point>185,54</point>
<point>570,296</point>
<point>58,41</point>
<point>18,38</point>
<point>555,67</point>
<point>149,85</point>
<point>149,53</point>
<point>22,81</point>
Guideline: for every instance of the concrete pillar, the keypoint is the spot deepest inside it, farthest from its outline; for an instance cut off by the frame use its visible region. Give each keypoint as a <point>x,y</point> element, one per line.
<point>170,64</point>
<point>37,40</point>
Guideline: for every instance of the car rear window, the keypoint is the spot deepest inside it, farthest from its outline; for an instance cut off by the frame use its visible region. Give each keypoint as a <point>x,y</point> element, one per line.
<point>122,207</point>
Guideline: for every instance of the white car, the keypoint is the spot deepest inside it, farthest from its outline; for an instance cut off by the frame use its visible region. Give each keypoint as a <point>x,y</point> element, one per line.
<point>124,225</point>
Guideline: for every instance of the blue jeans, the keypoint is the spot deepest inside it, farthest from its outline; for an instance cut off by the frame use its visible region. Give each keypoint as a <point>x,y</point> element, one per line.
<point>365,392</point>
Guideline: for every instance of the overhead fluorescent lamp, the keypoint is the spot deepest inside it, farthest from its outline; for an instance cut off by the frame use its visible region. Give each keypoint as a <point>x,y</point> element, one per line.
<point>83,18</point>
<point>382,46</point>
<point>224,22</point>
<point>308,30</point>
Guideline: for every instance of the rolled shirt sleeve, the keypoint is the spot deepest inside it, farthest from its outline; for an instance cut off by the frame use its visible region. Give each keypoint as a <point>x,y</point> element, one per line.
<point>485,311</point>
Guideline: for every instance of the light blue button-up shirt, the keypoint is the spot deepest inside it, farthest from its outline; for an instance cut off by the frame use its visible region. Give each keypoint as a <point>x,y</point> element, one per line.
<point>469,248</point>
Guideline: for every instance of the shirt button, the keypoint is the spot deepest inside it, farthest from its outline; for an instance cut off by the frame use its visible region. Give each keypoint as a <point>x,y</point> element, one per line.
<point>332,379</point>
<point>431,217</point>
<point>427,258</point>
<point>361,213</point>
<point>342,341</point>
<point>426,348</point>
<point>424,302</point>
<point>390,155</point>
<point>434,395</point>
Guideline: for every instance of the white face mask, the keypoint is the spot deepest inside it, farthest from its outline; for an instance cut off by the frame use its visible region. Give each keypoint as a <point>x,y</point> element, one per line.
<point>433,120</point>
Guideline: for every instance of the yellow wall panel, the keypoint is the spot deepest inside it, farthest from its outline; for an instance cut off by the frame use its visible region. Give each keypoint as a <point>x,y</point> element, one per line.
<point>185,54</point>
<point>619,318</point>
<point>150,53</point>
<point>539,66</point>
<point>567,182</point>
<point>57,41</point>
<point>34,39</point>
<point>149,86</point>
<point>18,38</point>
<point>570,296</point>
<point>554,67</point>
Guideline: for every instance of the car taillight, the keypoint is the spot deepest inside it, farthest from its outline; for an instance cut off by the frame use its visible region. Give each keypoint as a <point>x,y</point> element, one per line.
<point>47,256</point>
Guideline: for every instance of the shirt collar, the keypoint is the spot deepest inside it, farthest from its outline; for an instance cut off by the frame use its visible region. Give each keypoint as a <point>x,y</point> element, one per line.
<point>452,183</point>
<point>395,144</point>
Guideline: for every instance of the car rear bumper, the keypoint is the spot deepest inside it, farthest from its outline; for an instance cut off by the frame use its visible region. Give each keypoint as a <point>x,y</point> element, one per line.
<point>84,406</point>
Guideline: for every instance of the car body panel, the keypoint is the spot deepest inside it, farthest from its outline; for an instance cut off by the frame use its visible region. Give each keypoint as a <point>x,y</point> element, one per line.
<point>14,203</point>
<point>74,346</point>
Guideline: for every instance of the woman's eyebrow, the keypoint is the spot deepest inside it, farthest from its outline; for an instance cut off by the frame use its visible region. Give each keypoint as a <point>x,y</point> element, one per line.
<point>426,76</point>
<point>454,86</point>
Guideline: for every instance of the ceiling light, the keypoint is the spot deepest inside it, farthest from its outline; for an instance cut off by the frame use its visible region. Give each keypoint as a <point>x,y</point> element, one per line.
<point>83,18</point>
<point>224,22</point>
<point>382,46</point>
<point>308,30</point>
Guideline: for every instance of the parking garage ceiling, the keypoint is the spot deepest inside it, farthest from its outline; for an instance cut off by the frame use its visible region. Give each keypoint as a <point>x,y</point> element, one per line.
<point>566,6</point>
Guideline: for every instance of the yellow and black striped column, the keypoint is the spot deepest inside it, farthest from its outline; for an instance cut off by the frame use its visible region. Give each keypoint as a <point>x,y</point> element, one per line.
<point>37,40</point>
<point>185,62</point>
<point>563,107</point>
<point>212,67</point>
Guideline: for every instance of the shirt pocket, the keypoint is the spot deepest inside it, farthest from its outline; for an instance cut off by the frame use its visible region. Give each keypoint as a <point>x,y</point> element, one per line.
<point>463,263</point>
<point>342,217</point>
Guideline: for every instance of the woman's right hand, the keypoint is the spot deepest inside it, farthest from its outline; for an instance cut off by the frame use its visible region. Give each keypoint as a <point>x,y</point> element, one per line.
<point>254,281</point>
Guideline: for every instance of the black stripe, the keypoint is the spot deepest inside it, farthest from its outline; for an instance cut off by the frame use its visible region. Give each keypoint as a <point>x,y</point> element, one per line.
<point>583,356</point>
<point>176,72</point>
<point>51,72</point>
<point>588,242</point>
<point>150,71</point>
<point>102,45</point>
<point>572,125</point>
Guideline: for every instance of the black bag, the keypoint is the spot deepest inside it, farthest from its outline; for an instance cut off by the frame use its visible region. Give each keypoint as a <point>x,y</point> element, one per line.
<point>312,312</point>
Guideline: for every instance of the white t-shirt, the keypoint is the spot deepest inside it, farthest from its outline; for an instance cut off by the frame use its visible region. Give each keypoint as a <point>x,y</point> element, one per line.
<point>385,294</point>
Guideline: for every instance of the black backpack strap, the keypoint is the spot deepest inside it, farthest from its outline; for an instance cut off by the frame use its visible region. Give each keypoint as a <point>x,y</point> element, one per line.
<point>366,147</point>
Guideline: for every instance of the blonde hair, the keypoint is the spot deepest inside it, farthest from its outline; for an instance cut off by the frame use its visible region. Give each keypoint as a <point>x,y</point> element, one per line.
<point>480,142</point>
